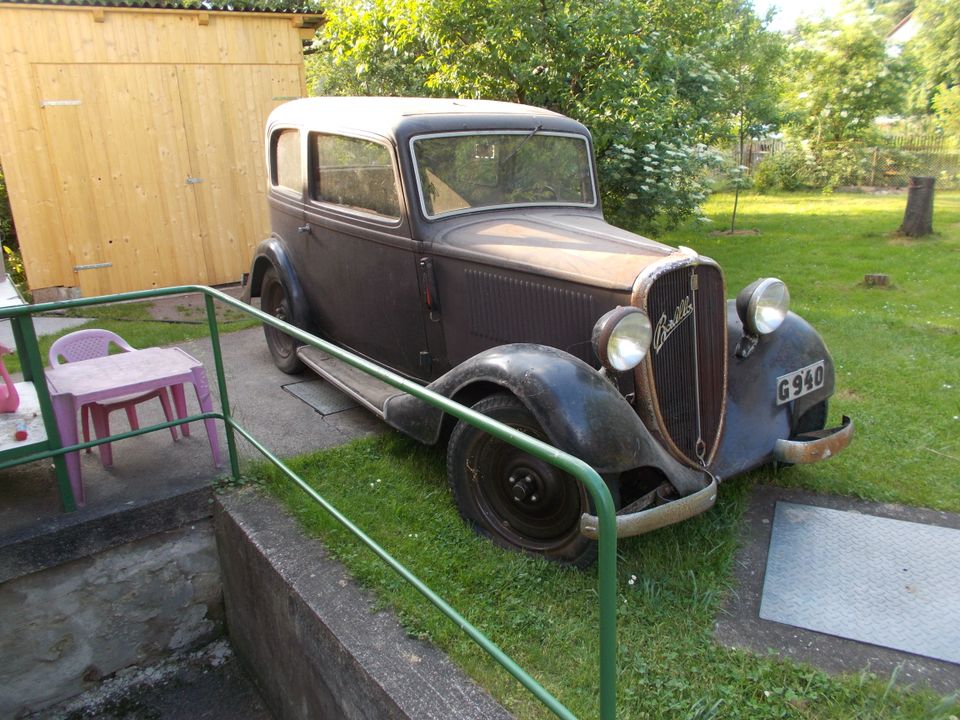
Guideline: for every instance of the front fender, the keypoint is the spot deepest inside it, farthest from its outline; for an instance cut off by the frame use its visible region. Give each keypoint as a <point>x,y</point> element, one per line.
<point>754,422</point>
<point>272,253</point>
<point>579,410</point>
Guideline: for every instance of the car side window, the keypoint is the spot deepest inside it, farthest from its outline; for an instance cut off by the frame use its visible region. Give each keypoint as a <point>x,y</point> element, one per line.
<point>285,152</point>
<point>353,173</point>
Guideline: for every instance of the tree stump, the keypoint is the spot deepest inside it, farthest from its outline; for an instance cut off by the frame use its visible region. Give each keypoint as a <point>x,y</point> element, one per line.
<point>918,217</point>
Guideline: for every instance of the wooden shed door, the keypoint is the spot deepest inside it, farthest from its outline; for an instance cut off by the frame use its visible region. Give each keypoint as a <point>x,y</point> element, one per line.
<point>117,137</point>
<point>161,168</point>
<point>225,109</point>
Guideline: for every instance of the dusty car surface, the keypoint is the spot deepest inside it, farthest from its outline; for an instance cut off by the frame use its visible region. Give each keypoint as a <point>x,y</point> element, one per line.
<point>462,244</point>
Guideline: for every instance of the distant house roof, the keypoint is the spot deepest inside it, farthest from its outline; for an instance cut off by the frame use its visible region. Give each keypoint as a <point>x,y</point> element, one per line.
<point>903,31</point>
<point>275,6</point>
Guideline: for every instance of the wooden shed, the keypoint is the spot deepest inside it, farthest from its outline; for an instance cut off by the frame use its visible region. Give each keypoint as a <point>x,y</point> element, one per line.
<point>131,139</point>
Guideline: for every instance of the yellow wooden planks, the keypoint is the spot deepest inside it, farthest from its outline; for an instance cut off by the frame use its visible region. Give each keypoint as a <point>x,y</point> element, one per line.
<point>104,118</point>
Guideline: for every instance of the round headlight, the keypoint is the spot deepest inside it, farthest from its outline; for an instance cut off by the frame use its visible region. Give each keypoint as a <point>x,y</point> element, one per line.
<point>621,338</point>
<point>763,305</point>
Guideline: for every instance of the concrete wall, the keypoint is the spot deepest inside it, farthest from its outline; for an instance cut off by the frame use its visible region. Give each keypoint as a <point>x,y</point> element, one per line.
<point>314,642</point>
<point>63,628</point>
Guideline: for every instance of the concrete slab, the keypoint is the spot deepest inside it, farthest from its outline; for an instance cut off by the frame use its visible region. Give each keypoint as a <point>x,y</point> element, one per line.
<point>331,651</point>
<point>43,325</point>
<point>739,624</point>
<point>321,396</point>
<point>208,684</point>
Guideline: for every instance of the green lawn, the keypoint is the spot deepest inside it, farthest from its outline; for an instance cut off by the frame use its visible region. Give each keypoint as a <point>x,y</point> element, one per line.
<point>898,358</point>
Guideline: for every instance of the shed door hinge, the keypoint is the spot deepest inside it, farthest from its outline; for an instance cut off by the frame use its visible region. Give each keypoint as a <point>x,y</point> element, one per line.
<point>194,181</point>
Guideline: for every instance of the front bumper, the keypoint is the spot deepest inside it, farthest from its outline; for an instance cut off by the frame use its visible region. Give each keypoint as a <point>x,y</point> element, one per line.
<point>806,448</point>
<point>644,521</point>
<point>814,446</point>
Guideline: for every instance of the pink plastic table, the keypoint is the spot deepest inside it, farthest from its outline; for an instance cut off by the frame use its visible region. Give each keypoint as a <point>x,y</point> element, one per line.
<point>75,384</point>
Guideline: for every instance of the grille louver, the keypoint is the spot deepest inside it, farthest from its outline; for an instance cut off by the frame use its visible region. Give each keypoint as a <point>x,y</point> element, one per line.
<point>687,362</point>
<point>506,309</point>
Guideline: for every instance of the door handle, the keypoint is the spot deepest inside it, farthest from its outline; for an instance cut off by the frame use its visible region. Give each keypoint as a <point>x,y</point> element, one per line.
<point>303,229</point>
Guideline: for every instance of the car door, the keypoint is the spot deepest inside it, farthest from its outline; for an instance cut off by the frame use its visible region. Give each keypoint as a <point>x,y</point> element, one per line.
<point>359,270</point>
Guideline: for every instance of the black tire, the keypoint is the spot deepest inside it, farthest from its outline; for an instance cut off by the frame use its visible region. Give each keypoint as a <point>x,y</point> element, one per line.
<point>513,498</point>
<point>274,300</point>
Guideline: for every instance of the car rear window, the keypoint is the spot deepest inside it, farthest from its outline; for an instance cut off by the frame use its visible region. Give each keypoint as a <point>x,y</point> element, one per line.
<point>354,174</point>
<point>286,160</point>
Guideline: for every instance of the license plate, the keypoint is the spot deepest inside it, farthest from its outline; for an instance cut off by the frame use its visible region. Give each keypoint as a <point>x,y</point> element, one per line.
<point>800,382</point>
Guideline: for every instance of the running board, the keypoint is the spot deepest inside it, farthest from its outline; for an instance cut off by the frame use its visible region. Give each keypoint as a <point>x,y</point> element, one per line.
<point>365,389</point>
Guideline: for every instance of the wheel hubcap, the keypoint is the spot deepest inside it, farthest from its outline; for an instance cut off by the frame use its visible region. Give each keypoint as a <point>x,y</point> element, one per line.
<point>536,504</point>
<point>524,485</point>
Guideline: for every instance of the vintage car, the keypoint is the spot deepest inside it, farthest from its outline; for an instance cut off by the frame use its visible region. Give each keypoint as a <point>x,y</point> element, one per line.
<point>461,244</point>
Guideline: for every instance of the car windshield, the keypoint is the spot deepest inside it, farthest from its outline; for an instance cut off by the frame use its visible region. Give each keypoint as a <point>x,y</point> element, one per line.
<point>458,172</point>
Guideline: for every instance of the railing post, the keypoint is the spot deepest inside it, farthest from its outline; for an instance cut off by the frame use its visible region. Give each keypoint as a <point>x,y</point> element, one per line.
<point>32,367</point>
<point>607,580</point>
<point>222,385</point>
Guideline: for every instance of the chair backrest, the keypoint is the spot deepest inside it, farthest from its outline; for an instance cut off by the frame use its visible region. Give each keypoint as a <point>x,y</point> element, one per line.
<point>84,345</point>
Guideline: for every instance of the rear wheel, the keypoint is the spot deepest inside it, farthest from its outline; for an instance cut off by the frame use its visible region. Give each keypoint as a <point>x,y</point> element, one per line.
<point>517,500</point>
<point>274,300</point>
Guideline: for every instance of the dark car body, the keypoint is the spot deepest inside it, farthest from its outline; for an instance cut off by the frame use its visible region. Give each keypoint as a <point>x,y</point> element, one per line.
<point>497,291</point>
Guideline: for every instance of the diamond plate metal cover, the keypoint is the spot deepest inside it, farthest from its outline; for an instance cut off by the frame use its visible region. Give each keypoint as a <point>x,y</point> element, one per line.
<point>321,396</point>
<point>887,582</point>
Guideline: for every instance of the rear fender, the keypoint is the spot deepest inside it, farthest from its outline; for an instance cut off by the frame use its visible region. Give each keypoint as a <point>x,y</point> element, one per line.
<point>580,411</point>
<point>272,253</point>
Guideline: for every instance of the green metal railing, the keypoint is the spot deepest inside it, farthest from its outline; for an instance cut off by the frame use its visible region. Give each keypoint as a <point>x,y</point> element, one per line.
<point>607,578</point>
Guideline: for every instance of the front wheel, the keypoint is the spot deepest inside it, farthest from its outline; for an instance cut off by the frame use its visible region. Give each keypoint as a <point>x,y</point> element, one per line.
<point>274,300</point>
<point>517,500</point>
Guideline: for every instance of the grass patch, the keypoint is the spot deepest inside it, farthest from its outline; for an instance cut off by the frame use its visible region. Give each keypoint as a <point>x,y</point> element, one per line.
<point>898,359</point>
<point>672,584</point>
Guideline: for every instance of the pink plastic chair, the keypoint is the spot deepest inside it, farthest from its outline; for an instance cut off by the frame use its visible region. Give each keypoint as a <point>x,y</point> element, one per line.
<point>87,344</point>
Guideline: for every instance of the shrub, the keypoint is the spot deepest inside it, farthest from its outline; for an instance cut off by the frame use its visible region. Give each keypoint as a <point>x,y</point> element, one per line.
<point>788,169</point>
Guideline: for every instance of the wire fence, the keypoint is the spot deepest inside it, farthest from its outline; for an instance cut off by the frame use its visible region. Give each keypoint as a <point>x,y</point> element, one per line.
<point>889,164</point>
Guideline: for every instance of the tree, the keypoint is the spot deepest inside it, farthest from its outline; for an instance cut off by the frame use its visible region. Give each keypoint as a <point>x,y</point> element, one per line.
<point>646,78</point>
<point>938,41</point>
<point>841,78</point>
<point>757,59</point>
<point>937,50</point>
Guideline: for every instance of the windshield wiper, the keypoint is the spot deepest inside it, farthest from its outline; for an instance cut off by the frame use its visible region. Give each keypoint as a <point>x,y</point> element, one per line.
<point>523,142</point>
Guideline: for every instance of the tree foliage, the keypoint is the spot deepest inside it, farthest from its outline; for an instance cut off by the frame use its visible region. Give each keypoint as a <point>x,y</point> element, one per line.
<point>650,79</point>
<point>841,78</point>
<point>937,51</point>
<point>938,42</point>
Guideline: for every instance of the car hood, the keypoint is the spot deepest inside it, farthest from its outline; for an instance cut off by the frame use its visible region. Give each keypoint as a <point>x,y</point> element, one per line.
<point>578,247</point>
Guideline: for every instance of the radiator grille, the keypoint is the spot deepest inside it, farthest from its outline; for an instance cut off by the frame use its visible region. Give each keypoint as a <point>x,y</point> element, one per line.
<point>688,357</point>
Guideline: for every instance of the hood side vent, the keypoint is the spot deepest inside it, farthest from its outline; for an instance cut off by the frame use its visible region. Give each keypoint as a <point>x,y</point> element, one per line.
<point>503,310</point>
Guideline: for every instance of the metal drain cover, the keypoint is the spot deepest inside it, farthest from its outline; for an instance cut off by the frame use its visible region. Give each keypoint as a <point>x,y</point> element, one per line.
<point>321,396</point>
<point>887,582</point>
